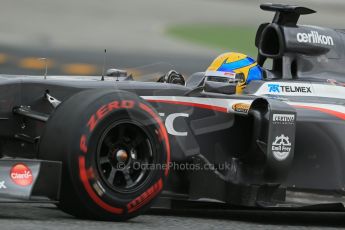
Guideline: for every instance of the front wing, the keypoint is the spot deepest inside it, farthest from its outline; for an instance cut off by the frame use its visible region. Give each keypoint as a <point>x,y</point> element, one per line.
<point>23,180</point>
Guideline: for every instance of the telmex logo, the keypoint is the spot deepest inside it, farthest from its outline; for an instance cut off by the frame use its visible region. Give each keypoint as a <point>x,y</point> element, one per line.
<point>315,37</point>
<point>283,118</point>
<point>277,88</point>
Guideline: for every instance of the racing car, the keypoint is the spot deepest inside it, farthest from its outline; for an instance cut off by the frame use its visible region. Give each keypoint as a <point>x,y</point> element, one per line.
<point>110,147</point>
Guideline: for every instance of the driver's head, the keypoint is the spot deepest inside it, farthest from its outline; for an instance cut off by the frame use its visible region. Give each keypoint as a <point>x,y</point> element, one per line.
<point>237,67</point>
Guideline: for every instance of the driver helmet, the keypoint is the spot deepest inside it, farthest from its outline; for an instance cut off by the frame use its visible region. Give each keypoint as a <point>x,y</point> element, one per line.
<point>238,68</point>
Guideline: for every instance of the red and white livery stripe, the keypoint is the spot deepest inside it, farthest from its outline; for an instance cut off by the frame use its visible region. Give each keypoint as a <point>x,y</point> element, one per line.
<point>225,105</point>
<point>216,104</point>
<point>330,109</point>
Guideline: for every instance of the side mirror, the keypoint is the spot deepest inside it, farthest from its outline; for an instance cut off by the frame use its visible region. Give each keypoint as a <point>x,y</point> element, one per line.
<point>116,73</point>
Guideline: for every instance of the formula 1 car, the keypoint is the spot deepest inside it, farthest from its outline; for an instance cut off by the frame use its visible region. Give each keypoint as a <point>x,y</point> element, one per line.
<point>106,149</point>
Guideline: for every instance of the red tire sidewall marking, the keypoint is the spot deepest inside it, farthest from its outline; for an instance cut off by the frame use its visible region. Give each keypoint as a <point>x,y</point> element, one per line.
<point>85,175</point>
<point>145,197</point>
<point>85,180</point>
<point>163,132</point>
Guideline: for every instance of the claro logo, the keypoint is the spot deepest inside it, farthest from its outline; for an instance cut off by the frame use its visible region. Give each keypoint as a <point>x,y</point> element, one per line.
<point>315,38</point>
<point>21,175</point>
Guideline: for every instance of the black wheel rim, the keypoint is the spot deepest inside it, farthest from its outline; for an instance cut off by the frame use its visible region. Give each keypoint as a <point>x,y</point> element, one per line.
<point>124,149</point>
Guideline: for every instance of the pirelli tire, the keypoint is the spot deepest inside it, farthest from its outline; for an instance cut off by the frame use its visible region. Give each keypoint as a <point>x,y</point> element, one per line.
<point>97,132</point>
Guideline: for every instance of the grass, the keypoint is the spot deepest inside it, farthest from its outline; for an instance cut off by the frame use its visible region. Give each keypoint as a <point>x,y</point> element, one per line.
<point>226,37</point>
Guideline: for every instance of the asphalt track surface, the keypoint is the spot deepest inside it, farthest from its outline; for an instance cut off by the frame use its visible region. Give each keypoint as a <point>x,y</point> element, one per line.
<point>34,216</point>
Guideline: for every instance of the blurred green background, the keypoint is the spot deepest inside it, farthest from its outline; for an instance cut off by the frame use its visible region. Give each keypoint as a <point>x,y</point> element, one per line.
<point>226,37</point>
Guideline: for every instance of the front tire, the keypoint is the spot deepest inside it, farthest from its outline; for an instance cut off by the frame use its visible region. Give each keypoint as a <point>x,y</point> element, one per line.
<point>108,142</point>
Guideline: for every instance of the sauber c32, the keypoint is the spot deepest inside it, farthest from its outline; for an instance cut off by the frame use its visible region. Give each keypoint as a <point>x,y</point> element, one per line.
<point>90,144</point>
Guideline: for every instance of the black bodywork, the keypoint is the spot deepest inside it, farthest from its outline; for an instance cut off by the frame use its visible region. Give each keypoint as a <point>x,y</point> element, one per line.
<point>212,128</point>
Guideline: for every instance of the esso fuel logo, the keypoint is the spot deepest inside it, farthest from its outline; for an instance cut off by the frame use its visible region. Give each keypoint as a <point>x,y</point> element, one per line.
<point>21,175</point>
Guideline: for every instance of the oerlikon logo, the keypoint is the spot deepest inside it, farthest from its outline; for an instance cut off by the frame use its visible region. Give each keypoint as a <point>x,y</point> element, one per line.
<point>21,175</point>
<point>315,38</point>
